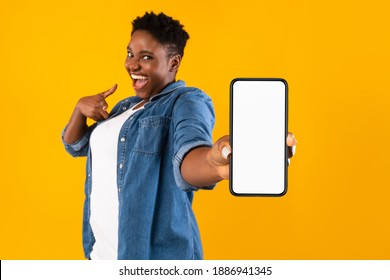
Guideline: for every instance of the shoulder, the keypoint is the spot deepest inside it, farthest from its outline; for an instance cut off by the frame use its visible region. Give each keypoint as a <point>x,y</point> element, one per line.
<point>192,93</point>
<point>187,89</point>
<point>192,100</point>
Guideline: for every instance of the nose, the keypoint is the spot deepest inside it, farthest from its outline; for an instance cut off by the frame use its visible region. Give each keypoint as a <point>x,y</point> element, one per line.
<point>132,65</point>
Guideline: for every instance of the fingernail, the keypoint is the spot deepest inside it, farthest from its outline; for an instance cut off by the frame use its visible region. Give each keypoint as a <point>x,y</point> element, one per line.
<point>226,152</point>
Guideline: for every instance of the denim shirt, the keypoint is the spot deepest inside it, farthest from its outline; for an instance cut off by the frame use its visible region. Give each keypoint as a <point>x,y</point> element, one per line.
<point>156,220</point>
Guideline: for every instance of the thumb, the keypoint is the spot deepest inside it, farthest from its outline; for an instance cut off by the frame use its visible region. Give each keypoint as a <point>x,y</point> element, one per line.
<point>223,147</point>
<point>226,152</point>
<point>110,91</point>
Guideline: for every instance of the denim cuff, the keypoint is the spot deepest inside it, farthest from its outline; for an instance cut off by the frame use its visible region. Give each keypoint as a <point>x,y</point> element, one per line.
<point>76,146</point>
<point>177,161</point>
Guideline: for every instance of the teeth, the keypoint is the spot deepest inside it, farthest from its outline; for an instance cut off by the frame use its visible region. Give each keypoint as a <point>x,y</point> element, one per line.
<point>138,77</point>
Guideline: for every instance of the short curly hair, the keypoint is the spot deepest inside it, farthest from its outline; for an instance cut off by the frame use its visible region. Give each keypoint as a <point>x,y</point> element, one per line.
<point>165,29</point>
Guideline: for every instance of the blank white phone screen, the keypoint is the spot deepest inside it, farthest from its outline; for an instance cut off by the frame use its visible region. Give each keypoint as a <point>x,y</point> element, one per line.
<point>258,137</point>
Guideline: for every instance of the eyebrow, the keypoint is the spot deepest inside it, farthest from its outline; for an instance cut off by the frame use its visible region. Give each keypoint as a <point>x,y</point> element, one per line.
<point>141,52</point>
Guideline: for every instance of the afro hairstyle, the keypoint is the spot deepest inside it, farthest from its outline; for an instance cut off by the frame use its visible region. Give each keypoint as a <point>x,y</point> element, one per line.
<point>165,29</point>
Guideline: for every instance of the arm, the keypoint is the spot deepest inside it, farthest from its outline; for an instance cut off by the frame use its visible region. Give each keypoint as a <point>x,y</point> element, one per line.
<point>76,127</point>
<point>200,166</point>
<point>206,166</point>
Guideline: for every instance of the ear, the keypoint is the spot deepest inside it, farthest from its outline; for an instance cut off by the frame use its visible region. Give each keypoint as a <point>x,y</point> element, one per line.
<point>175,63</point>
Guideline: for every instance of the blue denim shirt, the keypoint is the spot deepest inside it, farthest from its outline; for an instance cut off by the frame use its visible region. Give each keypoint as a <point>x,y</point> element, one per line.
<point>156,220</point>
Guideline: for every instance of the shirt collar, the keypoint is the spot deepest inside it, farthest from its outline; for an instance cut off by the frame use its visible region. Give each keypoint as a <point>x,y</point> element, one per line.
<point>169,88</point>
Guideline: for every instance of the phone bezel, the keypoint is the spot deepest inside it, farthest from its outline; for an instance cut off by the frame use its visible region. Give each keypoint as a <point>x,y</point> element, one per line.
<point>231,181</point>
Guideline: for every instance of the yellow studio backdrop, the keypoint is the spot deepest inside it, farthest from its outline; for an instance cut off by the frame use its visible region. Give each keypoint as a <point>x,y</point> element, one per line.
<point>334,55</point>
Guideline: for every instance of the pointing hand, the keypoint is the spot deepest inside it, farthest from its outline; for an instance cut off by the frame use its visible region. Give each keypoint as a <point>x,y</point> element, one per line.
<point>95,106</point>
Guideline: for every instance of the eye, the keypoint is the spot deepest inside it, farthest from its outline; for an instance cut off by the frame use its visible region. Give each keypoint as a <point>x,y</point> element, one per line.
<point>147,57</point>
<point>129,54</point>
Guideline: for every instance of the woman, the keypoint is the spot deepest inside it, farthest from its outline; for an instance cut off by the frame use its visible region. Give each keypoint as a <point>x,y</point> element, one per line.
<point>148,155</point>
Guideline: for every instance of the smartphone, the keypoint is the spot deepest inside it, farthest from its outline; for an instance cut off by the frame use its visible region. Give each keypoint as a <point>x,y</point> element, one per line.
<point>258,132</point>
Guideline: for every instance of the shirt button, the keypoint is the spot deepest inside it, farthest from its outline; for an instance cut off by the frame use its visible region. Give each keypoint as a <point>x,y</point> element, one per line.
<point>121,165</point>
<point>119,189</point>
<point>123,139</point>
<point>124,108</point>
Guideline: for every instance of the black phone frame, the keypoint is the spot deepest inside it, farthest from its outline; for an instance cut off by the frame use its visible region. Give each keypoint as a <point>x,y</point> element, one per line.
<point>232,144</point>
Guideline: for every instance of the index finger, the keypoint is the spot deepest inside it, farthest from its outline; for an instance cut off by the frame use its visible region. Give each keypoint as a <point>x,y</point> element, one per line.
<point>110,91</point>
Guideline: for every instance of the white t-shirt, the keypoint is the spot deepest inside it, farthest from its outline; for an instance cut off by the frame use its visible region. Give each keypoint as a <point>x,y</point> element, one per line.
<point>104,196</point>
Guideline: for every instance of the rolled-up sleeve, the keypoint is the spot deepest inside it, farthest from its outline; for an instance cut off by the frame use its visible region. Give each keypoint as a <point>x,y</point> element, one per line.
<point>80,147</point>
<point>193,120</point>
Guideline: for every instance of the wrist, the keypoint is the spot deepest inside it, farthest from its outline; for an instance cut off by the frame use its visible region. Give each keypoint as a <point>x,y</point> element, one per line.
<point>214,165</point>
<point>78,115</point>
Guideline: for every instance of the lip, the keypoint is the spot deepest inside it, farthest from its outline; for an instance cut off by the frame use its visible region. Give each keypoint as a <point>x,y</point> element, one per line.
<point>139,81</point>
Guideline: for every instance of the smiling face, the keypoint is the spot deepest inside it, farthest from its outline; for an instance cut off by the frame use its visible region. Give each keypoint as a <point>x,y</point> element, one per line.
<point>149,64</point>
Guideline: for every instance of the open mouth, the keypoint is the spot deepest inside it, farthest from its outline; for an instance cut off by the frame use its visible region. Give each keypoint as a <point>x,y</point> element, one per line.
<point>139,81</point>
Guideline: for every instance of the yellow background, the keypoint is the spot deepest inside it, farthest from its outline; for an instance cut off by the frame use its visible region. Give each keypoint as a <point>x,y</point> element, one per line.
<point>335,56</point>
